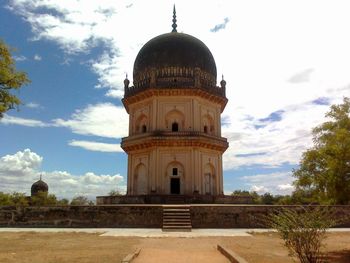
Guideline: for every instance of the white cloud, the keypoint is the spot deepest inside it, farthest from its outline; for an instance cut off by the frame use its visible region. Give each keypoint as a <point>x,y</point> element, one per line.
<point>285,187</point>
<point>302,76</point>
<point>33,105</point>
<point>274,183</point>
<point>19,58</point>
<point>20,170</point>
<point>276,142</point>
<point>37,57</point>
<point>11,120</point>
<point>105,120</point>
<point>20,162</point>
<point>277,64</point>
<point>259,189</point>
<point>96,146</point>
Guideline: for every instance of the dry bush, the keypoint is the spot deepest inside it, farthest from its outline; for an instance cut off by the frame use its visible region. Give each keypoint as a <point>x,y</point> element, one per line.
<point>303,230</point>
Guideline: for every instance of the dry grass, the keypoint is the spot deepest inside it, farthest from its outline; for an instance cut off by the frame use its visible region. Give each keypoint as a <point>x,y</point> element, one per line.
<point>25,247</point>
<point>28,247</point>
<point>268,247</point>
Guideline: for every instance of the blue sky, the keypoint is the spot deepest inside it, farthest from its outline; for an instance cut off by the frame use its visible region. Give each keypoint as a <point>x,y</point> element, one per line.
<point>284,62</point>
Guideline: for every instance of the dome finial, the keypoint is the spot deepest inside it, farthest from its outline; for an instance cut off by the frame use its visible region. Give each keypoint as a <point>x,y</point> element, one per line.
<point>174,20</point>
<point>126,81</point>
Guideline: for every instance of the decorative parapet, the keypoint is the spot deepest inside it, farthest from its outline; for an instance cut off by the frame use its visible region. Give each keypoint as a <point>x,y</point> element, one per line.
<point>174,77</point>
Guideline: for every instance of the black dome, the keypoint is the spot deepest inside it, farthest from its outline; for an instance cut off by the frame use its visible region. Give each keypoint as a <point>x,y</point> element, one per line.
<point>39,186</point>
<point>174,50</point>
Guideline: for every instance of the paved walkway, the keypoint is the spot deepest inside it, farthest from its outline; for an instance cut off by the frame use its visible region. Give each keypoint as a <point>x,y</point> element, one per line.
<point>154,232</point>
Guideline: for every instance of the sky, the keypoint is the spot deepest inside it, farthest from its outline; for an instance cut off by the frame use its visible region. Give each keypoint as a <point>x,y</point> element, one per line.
<point>285,63</point>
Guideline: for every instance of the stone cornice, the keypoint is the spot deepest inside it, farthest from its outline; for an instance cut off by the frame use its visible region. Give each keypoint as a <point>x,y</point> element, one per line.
<point>174,139</point>
<point>183,91</point>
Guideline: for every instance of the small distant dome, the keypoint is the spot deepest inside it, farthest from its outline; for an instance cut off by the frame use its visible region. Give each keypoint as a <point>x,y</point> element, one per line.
<point>39,186</point>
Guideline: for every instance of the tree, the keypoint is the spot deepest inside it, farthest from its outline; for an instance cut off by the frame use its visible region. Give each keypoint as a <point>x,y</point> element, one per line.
<point>43,199</point>
<point>5,199</point>
<point>254,195</point>
<point>267,199</point>
<point>80,200</point>
<point>10,79</point>
<point>324,171</point>
<point>19,199</point>
<point>114,193</point>
<point>63,202</point>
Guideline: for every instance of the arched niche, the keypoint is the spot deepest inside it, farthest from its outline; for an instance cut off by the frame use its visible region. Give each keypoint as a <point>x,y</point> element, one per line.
<point>208,124</point>
<point>175,178</point>
<point>175,120</point>
<point>209,179</point>
<point>141,124</point>
<point>140,180</point>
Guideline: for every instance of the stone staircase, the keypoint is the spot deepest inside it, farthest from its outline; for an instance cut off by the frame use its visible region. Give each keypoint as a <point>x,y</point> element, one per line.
<point>176,218</point>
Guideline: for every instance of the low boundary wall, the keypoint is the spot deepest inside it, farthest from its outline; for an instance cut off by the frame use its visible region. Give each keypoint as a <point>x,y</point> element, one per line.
<point>140,216</point>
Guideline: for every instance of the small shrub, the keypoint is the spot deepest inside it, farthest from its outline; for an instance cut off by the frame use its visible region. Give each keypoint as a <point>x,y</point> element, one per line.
<point>303,230</point>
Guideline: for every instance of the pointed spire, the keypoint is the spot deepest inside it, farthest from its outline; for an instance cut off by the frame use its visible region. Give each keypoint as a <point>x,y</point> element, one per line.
<point>174,20</point>
<point>223,82</point>
<point>40,176</point>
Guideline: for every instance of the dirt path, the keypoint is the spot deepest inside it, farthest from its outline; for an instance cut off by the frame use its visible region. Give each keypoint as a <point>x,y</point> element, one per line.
<point>184,250</point>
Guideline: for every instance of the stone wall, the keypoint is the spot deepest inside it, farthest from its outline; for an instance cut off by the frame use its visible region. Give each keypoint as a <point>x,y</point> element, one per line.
<point>82,216</point>
<point>244,216</point>
<point>145,216</point>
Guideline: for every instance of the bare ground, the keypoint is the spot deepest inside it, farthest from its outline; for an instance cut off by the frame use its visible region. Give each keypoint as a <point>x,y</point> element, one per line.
<point>28,247</point>
<point>186,250</point>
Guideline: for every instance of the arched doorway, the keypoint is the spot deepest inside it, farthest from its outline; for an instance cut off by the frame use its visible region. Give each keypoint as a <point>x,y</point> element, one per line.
<point>175,175</point>
<point>175,182</point>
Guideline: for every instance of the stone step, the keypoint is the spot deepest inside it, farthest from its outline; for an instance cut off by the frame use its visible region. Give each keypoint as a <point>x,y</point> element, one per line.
<point>184,218</point>
<point>175,213</point>
<point>177,229</point>
<point>176,209</point>
<point>177,224</point>
<point>177,218</point>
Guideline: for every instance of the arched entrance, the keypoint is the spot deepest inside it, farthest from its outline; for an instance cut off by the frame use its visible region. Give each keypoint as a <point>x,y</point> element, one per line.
<point>175,182</point>
<point>175,175</point>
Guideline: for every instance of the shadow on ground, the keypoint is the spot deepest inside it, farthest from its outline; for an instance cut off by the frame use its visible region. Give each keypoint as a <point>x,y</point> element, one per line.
<point>342,256</point>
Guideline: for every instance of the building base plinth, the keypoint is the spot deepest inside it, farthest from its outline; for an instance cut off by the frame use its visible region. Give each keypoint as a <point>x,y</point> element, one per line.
<point>173,199</point>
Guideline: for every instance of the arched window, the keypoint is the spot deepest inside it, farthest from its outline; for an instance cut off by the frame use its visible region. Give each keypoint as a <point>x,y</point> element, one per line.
<point>205,129</point>
<point>175,172</point>
<point>174,120</point>
<point>141,124</point>
<point>175,127</point>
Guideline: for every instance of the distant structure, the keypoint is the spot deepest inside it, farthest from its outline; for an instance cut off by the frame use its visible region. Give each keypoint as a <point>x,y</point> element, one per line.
<point>39,186</point>
<point>174,145</point>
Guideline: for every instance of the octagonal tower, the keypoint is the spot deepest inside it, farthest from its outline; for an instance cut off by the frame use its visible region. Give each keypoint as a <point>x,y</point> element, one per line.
<point>174,145</point>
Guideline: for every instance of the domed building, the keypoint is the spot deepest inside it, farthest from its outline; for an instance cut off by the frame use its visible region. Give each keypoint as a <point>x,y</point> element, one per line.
<point>174,144</point>
<point>39,186</point>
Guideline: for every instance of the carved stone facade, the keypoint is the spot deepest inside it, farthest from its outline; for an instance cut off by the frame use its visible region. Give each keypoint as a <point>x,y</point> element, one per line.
<point>174,145</point>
